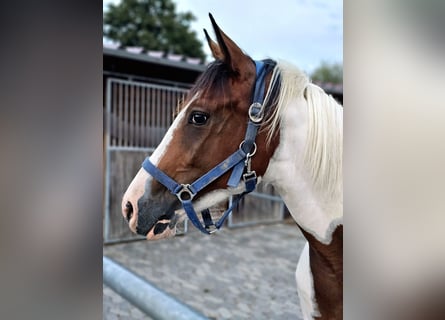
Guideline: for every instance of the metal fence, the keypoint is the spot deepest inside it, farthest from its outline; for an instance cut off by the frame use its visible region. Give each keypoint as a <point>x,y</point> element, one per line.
<point>137,115</point>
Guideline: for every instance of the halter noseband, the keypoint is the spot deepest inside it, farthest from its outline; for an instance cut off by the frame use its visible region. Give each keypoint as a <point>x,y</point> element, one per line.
<point>240,161</point>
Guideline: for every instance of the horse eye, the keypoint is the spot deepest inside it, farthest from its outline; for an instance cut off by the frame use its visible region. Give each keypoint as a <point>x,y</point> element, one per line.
<point>198,118</point>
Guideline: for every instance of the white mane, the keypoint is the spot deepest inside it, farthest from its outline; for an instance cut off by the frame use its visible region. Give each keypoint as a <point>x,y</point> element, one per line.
<point>324,145</point>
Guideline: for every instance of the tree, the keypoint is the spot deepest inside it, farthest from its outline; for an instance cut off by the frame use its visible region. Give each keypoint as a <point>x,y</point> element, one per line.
<point>153,25</point>
<point>326,72</point>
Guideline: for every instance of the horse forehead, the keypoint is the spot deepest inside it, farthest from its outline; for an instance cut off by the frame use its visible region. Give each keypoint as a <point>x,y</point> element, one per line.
<point>242,87</point>
<point>234,89</point>
<point>233,95</point>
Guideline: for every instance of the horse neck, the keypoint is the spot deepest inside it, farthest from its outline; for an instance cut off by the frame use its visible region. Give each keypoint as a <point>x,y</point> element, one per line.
<point>287,172</point>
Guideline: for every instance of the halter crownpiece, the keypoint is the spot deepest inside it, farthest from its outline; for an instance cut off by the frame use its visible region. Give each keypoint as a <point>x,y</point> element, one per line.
<point>239,161</point>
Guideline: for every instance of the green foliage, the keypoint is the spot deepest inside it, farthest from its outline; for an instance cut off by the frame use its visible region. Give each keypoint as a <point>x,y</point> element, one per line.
<point>328,73</point>
<point>153,25</point>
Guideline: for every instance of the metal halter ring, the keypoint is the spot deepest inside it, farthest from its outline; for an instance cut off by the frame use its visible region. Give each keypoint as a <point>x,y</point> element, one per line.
<point>185,191</point>
<point>249,154</point>
<point>258,116</point>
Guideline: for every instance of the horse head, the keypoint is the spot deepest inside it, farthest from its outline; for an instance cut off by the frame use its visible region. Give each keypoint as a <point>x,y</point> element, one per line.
<point>210,125</point>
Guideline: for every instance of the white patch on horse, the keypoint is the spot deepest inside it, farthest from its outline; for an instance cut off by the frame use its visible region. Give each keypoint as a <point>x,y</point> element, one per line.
<point>305,286</point>
<point>317,212</point>
<point>134,191</point>
<point>163,146</point>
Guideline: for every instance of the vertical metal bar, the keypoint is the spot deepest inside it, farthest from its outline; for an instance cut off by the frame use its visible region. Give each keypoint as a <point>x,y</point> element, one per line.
<point>173,103</point>
<point>131,116</point>
<point>125,115</point>
<point>120,117</point>
<point>156,117</point>
<point>107,162</point>
<point>171,108</point>
<point>174,106</point>
<point>137,124</point>
<point>151,118</point>
<point>168,108</point>
<point>229,220</point>
<point>165,107</point>
<point>281,210</point>
<point>113,128</point>
<point>165,110</point>
<point>143,116</point>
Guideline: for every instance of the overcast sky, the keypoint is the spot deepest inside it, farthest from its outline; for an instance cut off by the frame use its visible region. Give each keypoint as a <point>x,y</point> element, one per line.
<point>304,32</point>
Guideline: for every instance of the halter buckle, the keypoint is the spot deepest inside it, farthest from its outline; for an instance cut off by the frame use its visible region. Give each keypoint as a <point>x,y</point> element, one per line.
<point>250,180</point>
<point>256,112</point>
<point>249,176</point>
<point>185,193</point>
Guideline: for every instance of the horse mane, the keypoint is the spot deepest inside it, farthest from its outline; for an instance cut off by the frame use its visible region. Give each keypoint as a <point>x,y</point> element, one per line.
<point>324,143</point>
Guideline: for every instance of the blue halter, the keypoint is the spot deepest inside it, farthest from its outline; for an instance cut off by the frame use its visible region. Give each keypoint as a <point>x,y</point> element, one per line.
<point>240,161</point>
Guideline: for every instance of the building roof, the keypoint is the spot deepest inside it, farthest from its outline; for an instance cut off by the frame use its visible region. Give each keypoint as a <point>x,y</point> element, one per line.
<point>154,67</point>
<point>153,57</point>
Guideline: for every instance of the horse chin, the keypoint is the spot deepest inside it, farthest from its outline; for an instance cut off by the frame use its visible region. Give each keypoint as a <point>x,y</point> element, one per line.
<point>164,228</point>
<point>167,233</point>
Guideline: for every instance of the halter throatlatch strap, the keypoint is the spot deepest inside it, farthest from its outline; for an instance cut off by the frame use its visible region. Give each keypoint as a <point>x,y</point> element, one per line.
<point>239,161</point>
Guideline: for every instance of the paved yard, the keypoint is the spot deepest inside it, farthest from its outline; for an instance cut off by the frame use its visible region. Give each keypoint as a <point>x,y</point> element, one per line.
<point>243,273</point>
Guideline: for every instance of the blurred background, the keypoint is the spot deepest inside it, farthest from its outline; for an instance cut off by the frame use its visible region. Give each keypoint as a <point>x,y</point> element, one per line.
<point>52,160</point>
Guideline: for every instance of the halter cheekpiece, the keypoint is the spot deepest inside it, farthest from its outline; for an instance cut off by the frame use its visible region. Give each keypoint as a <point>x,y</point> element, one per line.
<point>239,161</point>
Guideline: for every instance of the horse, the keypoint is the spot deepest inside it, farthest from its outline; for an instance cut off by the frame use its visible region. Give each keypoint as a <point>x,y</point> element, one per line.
<point>246,121</point>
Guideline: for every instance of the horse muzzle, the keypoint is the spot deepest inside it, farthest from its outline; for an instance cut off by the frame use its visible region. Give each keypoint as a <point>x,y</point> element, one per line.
<point>152,219</point>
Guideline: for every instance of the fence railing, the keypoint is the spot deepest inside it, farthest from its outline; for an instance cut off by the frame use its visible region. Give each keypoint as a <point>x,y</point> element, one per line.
<point>137,115</point>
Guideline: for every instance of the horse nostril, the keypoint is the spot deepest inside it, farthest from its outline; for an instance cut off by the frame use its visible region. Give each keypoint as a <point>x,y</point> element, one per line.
<point>128,210</point>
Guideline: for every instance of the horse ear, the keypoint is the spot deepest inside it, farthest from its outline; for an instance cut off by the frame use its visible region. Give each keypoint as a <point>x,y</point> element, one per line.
<point>216,51</point>
<point>226,50</point>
